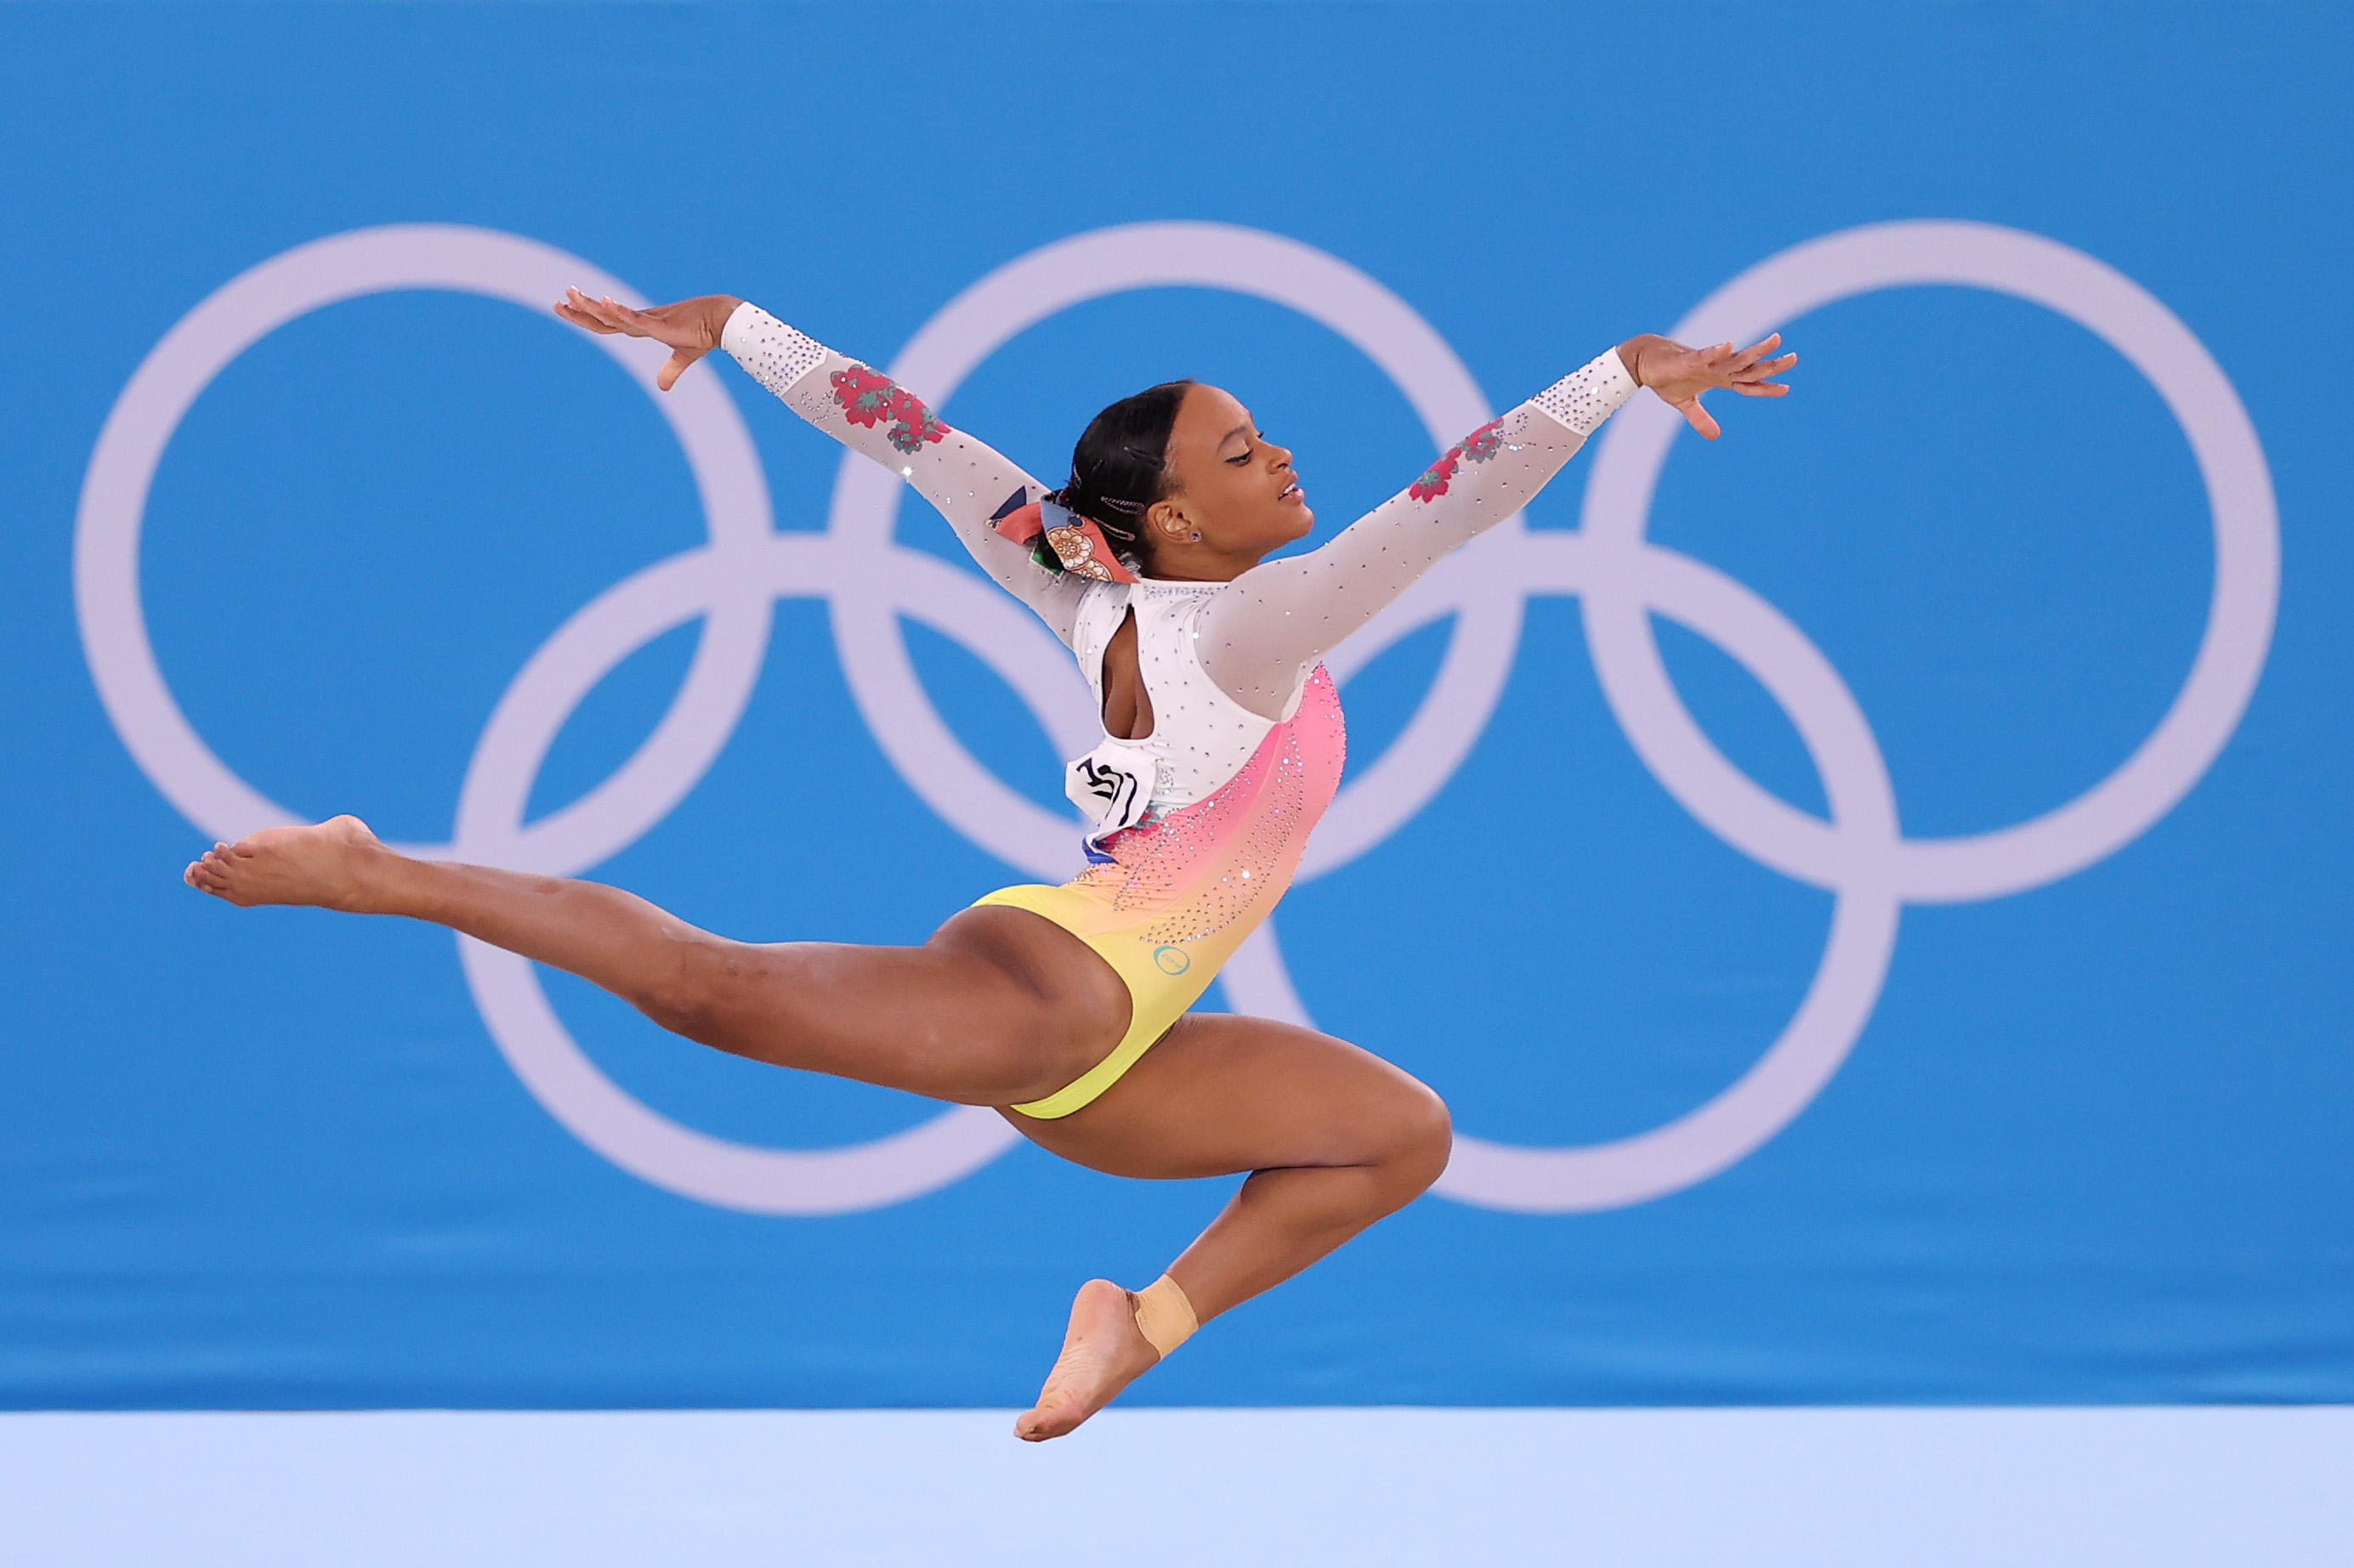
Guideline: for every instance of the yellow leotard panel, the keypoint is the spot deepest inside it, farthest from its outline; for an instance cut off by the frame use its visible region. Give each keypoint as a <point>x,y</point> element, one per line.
<point>1163,979</point>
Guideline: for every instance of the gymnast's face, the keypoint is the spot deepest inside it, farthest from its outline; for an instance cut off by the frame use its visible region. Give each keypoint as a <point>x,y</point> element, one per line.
<point>1234,487</point>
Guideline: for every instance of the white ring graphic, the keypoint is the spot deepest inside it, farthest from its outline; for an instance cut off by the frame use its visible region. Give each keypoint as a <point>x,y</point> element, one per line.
<point>726,582</point>
<point>869,581</point>
<point>1860,852</point>
<point>2239,495</point>
<point>719,451</point>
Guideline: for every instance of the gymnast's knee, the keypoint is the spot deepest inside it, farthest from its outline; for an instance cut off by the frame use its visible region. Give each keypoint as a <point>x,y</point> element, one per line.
<point>1421,1140</point>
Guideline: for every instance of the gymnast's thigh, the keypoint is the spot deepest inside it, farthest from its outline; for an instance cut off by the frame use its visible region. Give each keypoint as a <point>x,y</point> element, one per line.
<point>1222,1093</point>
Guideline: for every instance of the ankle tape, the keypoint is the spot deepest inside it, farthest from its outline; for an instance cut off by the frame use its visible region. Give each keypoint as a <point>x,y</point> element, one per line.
<point>1164,1315</point>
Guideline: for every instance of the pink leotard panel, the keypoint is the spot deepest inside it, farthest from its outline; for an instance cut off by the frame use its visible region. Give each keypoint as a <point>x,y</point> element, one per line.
<point>1226,859</point>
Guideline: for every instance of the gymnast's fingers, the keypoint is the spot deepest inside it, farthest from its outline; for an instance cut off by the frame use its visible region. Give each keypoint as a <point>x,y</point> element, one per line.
<point>581,318</point>
<point>675,367</point>
<point>1758,350</point>
<point>1769,367</point>
<point>622,316</point>
<point>580,308</point>
<point>608,310</point>
<point>1699,418</point>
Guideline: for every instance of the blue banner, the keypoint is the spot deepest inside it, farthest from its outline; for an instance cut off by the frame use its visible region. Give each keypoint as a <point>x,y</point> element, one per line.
<point>1872,890</point>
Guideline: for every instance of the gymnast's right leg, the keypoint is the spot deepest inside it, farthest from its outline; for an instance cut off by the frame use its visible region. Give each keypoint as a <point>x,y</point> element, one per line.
<point>998,1007</point>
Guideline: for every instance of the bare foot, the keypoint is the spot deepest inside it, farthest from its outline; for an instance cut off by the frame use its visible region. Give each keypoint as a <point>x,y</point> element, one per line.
<point>1103,1352</point>
<point>324,865</point>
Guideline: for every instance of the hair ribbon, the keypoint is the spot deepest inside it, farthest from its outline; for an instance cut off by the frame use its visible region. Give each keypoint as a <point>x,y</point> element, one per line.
<point>1061,540</point>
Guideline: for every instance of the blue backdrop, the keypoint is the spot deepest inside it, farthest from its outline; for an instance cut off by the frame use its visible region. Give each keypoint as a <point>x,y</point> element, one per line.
<point>2079,1135</point>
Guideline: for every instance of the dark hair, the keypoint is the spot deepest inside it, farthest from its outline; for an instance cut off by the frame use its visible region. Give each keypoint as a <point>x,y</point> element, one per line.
<point>1122,466</point>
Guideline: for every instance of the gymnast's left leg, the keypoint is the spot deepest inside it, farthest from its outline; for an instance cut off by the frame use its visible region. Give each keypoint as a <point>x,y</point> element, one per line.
<point>1334,1137</point>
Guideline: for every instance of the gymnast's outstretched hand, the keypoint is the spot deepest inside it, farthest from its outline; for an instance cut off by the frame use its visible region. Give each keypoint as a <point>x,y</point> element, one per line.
<point>1680,374</point>
<point>689,329</point>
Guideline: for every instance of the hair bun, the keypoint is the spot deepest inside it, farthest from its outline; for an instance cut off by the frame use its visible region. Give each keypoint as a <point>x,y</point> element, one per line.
<point>1120,466</point>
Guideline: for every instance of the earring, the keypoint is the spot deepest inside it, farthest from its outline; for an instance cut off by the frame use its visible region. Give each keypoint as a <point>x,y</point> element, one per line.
<point>1196,537</point>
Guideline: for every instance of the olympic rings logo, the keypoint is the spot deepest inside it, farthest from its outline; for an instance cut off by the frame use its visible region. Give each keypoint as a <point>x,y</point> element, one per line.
<point>731,581</point>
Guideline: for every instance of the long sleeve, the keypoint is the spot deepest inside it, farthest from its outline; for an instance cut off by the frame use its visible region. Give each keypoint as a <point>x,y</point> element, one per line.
<point>967,481</point>
<point>1260,637</point>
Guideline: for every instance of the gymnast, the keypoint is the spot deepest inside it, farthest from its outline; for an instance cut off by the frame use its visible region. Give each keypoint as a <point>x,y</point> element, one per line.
<point>1065,1008</point>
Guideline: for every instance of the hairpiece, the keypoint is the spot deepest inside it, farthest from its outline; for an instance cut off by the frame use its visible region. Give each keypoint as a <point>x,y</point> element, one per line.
<point>1061,540</point>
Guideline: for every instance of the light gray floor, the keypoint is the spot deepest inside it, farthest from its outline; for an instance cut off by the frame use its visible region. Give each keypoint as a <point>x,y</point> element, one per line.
<point>1189,1489</point>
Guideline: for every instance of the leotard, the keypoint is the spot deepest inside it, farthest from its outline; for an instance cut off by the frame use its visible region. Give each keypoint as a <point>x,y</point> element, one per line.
<point>1198,828</point>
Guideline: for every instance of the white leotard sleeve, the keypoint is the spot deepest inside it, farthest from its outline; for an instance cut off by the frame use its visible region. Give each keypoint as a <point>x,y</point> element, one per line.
<point>1263,634</point>
<point>966,481</point>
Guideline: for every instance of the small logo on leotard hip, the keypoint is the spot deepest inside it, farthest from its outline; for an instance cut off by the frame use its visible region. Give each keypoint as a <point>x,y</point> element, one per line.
<point>1173,960</point>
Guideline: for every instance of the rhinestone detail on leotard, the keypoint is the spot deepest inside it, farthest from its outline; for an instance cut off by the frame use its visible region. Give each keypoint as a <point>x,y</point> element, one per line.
<point>1582,399</point>
<point>777,354</point>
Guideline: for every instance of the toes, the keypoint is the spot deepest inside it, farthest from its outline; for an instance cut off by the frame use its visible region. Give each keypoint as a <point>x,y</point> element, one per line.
<point>207,874</point>
<point>1036,1426</point>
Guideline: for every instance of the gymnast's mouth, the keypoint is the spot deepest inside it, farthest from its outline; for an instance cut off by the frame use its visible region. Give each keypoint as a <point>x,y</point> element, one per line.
<point>1293,492</point>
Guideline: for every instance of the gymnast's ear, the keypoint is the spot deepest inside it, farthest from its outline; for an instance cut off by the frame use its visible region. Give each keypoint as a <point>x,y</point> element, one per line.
<point>1166,523</point>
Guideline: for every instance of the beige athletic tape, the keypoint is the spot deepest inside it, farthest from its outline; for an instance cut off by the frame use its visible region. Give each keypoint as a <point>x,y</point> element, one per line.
<point>1164,1314</point>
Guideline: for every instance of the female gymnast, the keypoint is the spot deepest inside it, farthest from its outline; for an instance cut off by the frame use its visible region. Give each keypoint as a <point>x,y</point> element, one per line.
<point>1065,1008</point>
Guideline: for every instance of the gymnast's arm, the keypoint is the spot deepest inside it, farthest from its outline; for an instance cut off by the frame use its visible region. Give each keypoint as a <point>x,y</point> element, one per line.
<point>967,481</point>
<point>1261,636</point>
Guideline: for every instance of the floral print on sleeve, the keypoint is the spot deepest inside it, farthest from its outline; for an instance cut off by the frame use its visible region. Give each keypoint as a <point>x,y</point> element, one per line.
<point>1478,447</point>
<point>868,398</point>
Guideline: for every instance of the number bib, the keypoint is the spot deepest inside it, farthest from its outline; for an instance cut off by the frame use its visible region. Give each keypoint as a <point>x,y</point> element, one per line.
<point>1112,785</point>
